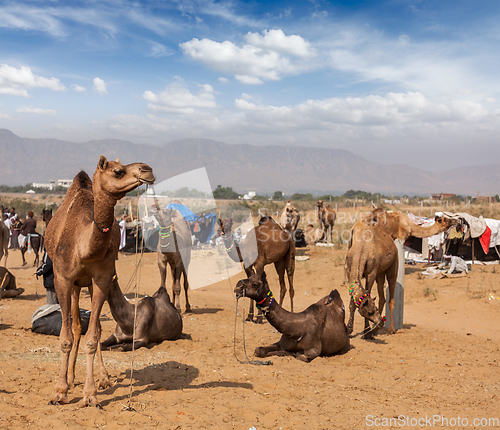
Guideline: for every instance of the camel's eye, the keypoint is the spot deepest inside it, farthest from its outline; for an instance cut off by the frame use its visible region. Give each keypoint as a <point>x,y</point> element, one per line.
<point>119,172</point>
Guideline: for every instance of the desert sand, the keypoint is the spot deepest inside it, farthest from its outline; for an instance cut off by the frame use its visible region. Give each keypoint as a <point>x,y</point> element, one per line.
<point>444,362</point>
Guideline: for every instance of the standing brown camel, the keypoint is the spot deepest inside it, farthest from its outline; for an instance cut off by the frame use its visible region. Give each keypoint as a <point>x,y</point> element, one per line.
<point>326,216</point>
<point>289,218</point>
<point>373,255</point>
<point>274,245</point>
<point>399,226</point>
<point>174,249</point>
<point>4,242</point>
<point>82,240</point>
<point>156,320</point>
<point>317,331</point>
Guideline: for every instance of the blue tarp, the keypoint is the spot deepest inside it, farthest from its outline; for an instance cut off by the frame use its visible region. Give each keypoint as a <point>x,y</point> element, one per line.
<point>206,222</point>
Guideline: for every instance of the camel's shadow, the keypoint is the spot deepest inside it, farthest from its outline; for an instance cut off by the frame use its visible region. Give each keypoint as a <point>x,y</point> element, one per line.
<point>415,269</point>
<point>169,376</point>
<point>30,297</point>
<point>204,311</point>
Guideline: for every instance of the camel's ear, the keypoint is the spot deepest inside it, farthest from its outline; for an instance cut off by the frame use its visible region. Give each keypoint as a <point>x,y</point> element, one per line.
<point>118,160</point>
<point>263,277</point>
<point>103,163</point>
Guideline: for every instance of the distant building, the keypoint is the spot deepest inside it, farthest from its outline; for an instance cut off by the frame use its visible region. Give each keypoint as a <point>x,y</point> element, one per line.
<point>249,196</point>
<point>65,183</point>
<point>442,196</point>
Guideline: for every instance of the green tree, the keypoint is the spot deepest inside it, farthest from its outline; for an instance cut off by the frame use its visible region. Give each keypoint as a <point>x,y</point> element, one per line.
<point>278,195</point>
<point>225,193</point>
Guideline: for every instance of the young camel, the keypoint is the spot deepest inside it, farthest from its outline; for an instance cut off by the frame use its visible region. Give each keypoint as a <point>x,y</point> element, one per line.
<point>289,218</point>
<point>373,255</point>
<point>326,216</point>
<point>174,249</point>
<point>274,245</point>
<point>156,317</point>
<point>82,240</point>
<point>318,331</point>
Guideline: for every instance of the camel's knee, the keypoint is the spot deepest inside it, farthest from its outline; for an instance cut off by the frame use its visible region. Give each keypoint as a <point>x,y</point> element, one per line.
<point>66,346</point>
<point>91,346</point>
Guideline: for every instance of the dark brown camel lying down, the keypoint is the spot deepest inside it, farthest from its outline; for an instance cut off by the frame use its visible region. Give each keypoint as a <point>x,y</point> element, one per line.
<point>8,287</point>
<point>320,330</point>
<point>157,320</point>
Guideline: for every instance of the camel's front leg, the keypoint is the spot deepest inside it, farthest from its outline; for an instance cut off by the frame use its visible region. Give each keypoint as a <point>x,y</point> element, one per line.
<point>104,381</point>
<point>66,340</point>
<point>280,270</point>
<point>352,310</point>
<point>177,270</point>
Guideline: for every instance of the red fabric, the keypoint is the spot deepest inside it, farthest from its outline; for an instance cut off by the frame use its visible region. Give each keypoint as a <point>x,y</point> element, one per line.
<point>484,239</point>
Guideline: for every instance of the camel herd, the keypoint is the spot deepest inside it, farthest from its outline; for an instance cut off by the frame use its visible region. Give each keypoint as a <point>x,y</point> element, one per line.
<point>83,238</point>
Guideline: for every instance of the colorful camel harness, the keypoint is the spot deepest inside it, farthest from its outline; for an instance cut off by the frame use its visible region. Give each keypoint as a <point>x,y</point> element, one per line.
<point>261,307</point>
<point>102,230</point>
<point>165,232</point>
<point>361,298</point>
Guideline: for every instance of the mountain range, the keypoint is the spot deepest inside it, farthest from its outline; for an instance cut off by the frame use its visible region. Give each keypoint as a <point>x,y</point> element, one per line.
<point>263,169</point>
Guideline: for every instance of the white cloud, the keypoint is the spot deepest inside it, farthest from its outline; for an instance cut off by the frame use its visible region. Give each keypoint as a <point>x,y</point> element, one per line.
<point>16,82</point>
<point>223,80</point>
<point>78,88</point>
<point>277,41</point>
<point>178,99</point>
<point>99,86</point>
<point>265,57</point>
<point>38,111</point>
<point>490,99</point>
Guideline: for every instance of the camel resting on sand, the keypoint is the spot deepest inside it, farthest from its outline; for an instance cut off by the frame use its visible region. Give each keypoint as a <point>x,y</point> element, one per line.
<point>317,331</point>
<point>157,320</point>
<point>8,287</point>
<point>313,234</point>
<point>374,256</point>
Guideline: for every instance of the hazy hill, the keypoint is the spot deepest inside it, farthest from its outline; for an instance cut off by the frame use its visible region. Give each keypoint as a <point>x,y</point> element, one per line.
<point>243,167</point>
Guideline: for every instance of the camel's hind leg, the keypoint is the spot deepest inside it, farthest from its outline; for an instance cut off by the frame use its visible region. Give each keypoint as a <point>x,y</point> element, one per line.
<point>290,270</point>
<point>392,274</point>
<point>76,328</point>
<point>370,279</point>
<point>186,288</point>
<point>66,341</point>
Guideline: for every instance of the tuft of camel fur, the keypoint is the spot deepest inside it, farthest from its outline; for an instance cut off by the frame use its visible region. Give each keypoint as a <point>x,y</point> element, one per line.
<point>319,330</point>
<point>156,318</point>
<point>82,240</point>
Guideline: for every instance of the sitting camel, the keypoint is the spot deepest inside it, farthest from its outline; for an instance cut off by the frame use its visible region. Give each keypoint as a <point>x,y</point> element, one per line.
<point>274,245</point>
<point>326,216</point>
<point>318,331</point>
<point>174,249</point>
<point>8,288</point>
<point>313,234</point>
<point>157,320</point>
<point>289,218</point>
<point>373,255</point>
<point>82,240</point>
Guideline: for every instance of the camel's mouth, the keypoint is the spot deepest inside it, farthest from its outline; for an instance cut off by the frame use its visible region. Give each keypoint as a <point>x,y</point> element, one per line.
<point>240,290</point>
<point>148,181</point>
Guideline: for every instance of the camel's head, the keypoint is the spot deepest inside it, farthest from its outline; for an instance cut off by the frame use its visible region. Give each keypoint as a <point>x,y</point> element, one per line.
<point>118,179</point>
<point>164,216</point>
<point>255,287</point>
<point>365,304</point>
<point>445,222</point>
<point>320,204</point>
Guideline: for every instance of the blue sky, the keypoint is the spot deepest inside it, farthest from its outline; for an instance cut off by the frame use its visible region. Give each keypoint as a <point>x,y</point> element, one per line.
<point>398,82</point>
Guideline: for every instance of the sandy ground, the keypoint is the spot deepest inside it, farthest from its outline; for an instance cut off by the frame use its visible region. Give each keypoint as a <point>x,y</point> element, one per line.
<point>444,362</point>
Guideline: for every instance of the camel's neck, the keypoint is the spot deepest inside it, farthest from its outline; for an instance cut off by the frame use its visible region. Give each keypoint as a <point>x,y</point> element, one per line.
<point>421,232</point>
<point>121,309</point>
<point>232,249</point>
<point>282,320</point>
<point>104,209</point>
